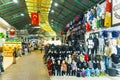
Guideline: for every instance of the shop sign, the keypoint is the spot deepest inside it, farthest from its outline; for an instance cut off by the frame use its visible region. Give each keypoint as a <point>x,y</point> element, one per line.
<point>13,40</point>
<point>115,12</point>
<point>12,31</point>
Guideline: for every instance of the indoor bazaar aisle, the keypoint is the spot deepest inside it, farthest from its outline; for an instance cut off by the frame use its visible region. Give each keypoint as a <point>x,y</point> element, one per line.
<point>29,67</point>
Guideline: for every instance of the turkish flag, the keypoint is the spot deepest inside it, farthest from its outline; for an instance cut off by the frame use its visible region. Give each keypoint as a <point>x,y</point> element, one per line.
<point>35,18</point>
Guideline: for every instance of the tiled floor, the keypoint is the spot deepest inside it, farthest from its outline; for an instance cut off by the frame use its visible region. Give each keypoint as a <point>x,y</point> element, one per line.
<point>86,78</point>
<point>29,67</point>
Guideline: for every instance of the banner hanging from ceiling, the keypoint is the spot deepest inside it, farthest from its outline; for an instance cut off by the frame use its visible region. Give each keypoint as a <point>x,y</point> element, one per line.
<point>115,12</point>
<point>35,18</point>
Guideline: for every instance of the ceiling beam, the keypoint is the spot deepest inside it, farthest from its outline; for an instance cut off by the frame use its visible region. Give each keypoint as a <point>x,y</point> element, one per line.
<point>74,6</point>
<point>81,4</point>
<point>71,10</point>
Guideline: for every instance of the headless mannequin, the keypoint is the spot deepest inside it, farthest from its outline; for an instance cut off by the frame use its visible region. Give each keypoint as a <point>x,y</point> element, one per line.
<point>107,55</point>
<point>69,69</point>
<point>58,68</point>
<point>53,68</point>
<point>94,24</point>
<point>63,68</point>
<point>96,45</point>
<point>74,68</point>
<point>90,44</point>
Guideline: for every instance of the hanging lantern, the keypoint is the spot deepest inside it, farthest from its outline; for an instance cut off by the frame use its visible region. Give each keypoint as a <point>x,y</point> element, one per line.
<point>12,31</point>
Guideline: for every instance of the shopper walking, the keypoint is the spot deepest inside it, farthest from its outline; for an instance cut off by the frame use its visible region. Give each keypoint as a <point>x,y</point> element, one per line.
<point>1,61</point>
<point>14,56</point>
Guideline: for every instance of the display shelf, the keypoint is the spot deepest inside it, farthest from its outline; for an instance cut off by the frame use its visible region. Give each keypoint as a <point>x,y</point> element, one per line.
<point>8,48</point>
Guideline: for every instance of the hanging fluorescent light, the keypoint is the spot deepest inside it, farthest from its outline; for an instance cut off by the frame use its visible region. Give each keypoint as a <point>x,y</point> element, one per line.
<point>15,1</point>
<point>52,11</point>
<point>56,4</point>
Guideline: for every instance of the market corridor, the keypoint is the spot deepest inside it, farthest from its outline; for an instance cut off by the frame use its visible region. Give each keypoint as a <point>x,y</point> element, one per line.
<point>29,67</point>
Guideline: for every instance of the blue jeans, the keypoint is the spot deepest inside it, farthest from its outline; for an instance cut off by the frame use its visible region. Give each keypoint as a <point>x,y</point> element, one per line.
<point>106,59</point>
<point>58,72</point>
<point>1,68</point>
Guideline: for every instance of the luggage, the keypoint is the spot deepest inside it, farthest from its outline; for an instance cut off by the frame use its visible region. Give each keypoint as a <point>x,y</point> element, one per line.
<point>115,58</point>
<point>112,72</point>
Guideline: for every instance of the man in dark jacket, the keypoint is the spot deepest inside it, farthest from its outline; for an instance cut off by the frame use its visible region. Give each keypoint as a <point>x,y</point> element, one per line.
<point>1,61</point>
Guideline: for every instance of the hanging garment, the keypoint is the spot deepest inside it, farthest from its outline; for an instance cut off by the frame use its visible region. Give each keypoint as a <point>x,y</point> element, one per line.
<point>107,22</point>
<point>108,51</point>
<point>108,6</point>
<point>94,24</point>
<point>98,23</point>
<point>90,64</point>
<point>86,57</point>
<point>98,10</point>
<point>91,16</point>
<point>101,22</point>
<point>118,50</point>
<point>102,64</point>
<point>87,26</point>
<point>94,11</point>
<point>115,34</point>
<point>76,18</point>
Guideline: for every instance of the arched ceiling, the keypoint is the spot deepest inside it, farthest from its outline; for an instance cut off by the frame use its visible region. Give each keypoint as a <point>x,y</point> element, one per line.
<point>66,11</point>
<point>52,17</point>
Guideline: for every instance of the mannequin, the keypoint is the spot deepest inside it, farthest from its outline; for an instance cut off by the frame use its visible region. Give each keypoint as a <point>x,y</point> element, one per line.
<point>83,72</point>
<point>113,46</point>
<point>101,44</point>
<point>94,65</point>
<point>97,72</point>
<point>88,72</point>
<point>98,65</point>
<point>82,57</point>
<point>90,64</point>
<point>90,44</point>
<point>102,64</point>
<point>78,72</point>
<point>94,24</point>
<point>86,57</point>
<point>96,45</point>
<point>79,65</point>
<point>74,68</point>
<point>69,68</point>
<point>92,72</point>
<point>107,55</point>
<point>53,66</point>
<point>58,67</point>
<point>49,63</point>
<point>63,68</point>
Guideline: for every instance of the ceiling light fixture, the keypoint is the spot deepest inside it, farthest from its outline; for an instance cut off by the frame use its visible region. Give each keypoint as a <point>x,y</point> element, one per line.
<point>56,4</point>
<point>52,11</point>
<point>22,14</point>
<point>52,20</point>
<point>15,1</point>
